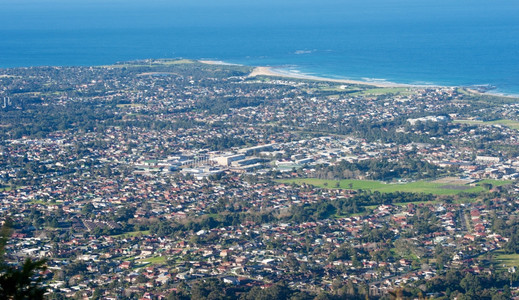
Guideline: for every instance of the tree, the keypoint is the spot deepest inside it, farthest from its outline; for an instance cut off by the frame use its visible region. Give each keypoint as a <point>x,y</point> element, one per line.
<point>471,284</point>
<point>19,282</point>
<point>97,294</point>
<point>87,208</point>
<point>486,185</point>
<point>278,291</point>
<point>211,288</point>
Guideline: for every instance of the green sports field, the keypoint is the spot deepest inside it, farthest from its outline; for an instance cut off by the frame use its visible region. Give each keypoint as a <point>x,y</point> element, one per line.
<point>427,187</point>
<point>131,234</point>
<point>153,260</point>
<point>505,261</point>
<point>504,122</point>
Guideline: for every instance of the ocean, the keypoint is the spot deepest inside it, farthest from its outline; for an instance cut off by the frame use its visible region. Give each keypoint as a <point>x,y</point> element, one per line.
<point>438,42</point>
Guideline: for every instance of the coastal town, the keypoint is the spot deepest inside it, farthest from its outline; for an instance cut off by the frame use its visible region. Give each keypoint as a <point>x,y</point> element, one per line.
<point>177,179</point>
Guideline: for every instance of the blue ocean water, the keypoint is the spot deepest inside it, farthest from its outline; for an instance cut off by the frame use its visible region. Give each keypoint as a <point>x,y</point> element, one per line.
<point>445,42</point>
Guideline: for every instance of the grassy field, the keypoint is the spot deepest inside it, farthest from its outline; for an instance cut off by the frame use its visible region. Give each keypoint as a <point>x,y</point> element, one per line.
<point>130,105</point>
<point>132,233</point>
<point>139,263</point>
<point>338,88</point>
<point>506,259</point>
<point>414,187</point>
<point>504,122</point>
<point>152,260</point>
<point>384,90</point>
<point>335,89</point>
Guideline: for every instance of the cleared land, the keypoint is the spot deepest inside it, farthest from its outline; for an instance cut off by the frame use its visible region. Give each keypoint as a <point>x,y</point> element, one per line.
<point>132,234</point>
<point>5,188</point>
<point>384,91</point>
<point>503,122</point>
<point>152,260</point>
<point>507,260</point>
<point>428,187</point>
<point>130,105</point>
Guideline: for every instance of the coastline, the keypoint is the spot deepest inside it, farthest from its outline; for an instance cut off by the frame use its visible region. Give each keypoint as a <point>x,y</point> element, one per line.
<point>270,71</point>
<point>217,62</point>
<point>273,72</point>
<point>277,72</point>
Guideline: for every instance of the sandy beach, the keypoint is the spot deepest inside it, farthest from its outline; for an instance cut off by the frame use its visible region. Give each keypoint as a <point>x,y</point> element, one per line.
<point>216,62</point>
<point>274,72</point>
<point>269,71</point>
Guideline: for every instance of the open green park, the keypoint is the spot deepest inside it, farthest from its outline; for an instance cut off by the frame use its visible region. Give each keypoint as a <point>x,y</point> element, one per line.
<point>132,234</point>
<point>428,187</point>
<point>6,188</point>
<point>384,91</point>
<point>505,261</point>
<point>503,122</point>
<point>152,260</point>
<point>141,262</point>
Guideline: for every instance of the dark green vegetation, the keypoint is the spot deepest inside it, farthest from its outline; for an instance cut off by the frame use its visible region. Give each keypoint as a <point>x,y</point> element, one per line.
<point>458,284</point>
<point>19,281</point>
